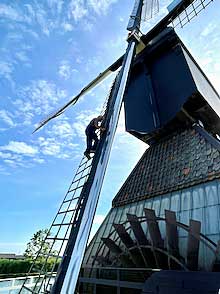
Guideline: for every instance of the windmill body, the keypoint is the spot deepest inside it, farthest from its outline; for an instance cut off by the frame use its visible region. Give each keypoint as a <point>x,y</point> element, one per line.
<point>169,102</point>
<point>161,234</point>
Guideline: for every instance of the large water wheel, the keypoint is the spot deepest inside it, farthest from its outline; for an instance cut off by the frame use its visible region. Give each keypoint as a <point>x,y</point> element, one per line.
<point>130,246</point>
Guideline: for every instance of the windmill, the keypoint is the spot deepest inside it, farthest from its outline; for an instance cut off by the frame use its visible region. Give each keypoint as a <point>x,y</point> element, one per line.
<point>73,221</point>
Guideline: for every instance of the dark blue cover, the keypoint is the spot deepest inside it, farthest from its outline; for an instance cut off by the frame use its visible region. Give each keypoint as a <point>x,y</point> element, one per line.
<point>164,79</point>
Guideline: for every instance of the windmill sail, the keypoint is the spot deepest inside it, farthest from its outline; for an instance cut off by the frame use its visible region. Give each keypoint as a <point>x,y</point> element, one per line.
<point>179,15</point>
<point>112,68</point>
<point>150,8</point>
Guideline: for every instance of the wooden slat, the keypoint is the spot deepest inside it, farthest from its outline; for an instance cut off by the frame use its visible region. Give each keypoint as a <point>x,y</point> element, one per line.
<point>193,244</point>
<point>137,229</point>
<point>124,236</point>
<point>147,254</point>
<point>101,260</point>
<point>156,239</point>
<point>114,248</point>
<point>216,263</point>
<point>171,231</point>
<point>153,227</point>
<point>129,243</point>
<point>172,237</point>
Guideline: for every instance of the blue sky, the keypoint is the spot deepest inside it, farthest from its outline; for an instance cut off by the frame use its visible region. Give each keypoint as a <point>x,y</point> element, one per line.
<point>49,50</point>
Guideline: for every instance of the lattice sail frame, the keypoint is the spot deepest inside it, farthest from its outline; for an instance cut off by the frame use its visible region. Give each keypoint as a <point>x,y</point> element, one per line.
<point>58,234</point>
<point>190,12</point>
<point>150,8</point>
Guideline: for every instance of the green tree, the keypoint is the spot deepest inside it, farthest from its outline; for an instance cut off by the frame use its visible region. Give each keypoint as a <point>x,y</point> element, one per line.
<point>37,243</point>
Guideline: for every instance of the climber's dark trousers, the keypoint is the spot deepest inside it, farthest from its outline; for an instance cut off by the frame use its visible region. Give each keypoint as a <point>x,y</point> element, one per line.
<point>90,137</point>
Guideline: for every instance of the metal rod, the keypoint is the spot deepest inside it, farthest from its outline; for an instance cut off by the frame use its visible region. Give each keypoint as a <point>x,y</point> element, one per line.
<point>68,272</point>
<point>69,282</point>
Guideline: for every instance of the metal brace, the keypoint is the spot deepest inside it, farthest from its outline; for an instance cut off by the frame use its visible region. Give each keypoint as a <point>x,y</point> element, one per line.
<point>135,37</point>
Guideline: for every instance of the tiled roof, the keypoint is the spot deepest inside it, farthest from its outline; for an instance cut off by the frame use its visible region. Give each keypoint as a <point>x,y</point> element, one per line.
<point>183,159</point>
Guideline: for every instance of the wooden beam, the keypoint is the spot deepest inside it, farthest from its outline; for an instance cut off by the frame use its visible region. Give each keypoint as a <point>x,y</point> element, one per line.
<point>147,254</point>
<point>116,250</point>
<point>137,229</point>
<point>124,236</point>
<point>130,245</point>
<point>193,244</point>
<point>171,231</point>
<point>172,238</point>
<point>153,227</point>
<point>216,263</point>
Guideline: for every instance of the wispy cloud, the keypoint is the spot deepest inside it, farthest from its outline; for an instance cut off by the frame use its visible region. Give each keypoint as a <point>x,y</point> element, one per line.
<point>20,148</point>
<point>6,71</point>
<point>8,12</point>
<point>209,29</point>
<point>56,6</point>
<point>57,147</point>
<point>61,129</point>
<point>77,10</point>
<point>49,146</point>
<point>67,27</point>
<point>101,6</point>
<point>99,218</point>
<point>22,56</point>
<point>19,154</point>
<point>82,119</point>
<point>65,70</point>
<point>7,118</point>
<point>40,97</point>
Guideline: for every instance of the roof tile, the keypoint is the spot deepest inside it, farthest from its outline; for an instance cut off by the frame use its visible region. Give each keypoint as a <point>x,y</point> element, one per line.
<point>183,159</point>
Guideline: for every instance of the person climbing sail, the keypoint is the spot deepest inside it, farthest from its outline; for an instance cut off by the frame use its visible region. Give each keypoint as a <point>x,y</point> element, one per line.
<point>95,124</point>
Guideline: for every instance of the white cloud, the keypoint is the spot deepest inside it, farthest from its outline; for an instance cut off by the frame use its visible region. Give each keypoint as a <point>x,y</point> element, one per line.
<point>82,120</point>
<point>6,70</point>
<point>5,155</point>
<point>215,80</point>
<point>62,129</point>
<point>77,10</point>
<point>206,61</point>
<point>14,14</point>
<point>101,6</point>
<point>38,160</point>
<point>3,171</point>
<point>98,219</point>
<point>59,144</point>
<point>42,19</point>
<point>40,97</point>
<point>51,149</point>
<point>22,56</point>
<point>6,117</point>
<point>65,70</point>
<point>56,6</point>
<point>67,27</point>
<point>20,148</point>
<point>87,25</point>
<point>209,29</point>
<point>123,138</point>
<point>9,12</point>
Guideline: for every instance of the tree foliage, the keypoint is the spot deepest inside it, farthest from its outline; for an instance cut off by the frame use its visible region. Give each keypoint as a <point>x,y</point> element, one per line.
<point>37,243</point>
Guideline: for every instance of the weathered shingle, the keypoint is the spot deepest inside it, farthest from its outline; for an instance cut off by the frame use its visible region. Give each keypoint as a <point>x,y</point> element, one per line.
<point>183,159</point>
